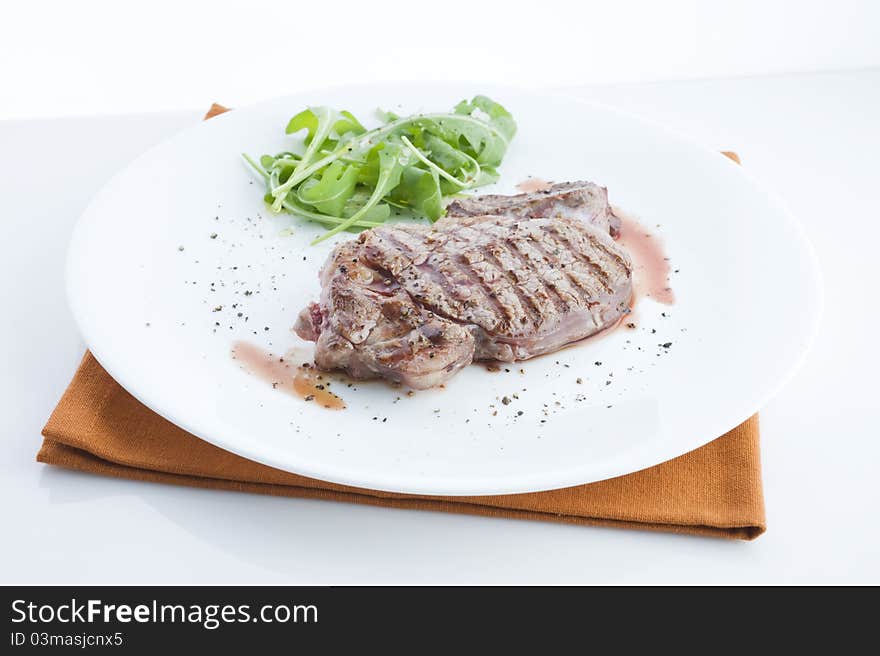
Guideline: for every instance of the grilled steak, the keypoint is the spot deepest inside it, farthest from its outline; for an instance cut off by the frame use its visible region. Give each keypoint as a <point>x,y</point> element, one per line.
<point>415,303</point>
<point>574,200</point>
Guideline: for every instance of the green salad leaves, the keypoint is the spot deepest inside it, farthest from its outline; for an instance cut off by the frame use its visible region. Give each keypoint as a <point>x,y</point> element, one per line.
<point>349,178</point>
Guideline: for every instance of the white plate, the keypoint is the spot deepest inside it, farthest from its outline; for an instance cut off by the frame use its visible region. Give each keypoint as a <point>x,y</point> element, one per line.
<point>746,287</point>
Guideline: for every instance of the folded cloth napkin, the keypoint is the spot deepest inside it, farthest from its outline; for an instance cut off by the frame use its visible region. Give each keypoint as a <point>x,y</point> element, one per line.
<point>715,490</point>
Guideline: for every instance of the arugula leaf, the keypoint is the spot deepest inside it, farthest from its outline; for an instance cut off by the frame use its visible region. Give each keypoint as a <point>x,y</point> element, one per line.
<point>378,213</point>
<point>392,158</point>
<point>348,124</point>
<point>473,136</point>
<point>318,121</point>
<point>484,108</point>
<point>420,190</point>
<point>458,163</point>
<point>331,190</point>
<point>307,120</point>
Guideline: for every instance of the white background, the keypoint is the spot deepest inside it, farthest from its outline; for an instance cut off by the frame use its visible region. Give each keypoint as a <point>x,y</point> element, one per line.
<point>61,58</point>
<point>812,137</point>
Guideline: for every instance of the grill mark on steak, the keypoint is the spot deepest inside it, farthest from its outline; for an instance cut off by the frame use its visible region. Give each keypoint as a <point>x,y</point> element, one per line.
<point>580,273</point>
<point>494,277</point>
<point>453,280</point>
<point>560,256</point>
<point>406,243</point>
<point>461,270</point>
<point>427,289</point>
<point>535,278</point>
<point>602,246</point>
<point>595,241</point>
<point>441,310</point>
<point>529,280</point>
<point>419,282</point>
<point>582,281</point>
<point>557,277</point>
<point>601,275</point>
<point>545,272</point>
<point>476,302</point>
<point>493,253</point>
<point>490,277</point>
<point>592,277</point>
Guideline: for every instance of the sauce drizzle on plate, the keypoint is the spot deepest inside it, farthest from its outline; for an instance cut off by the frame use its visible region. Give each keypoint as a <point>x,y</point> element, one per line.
<point>284,374</point>
<point>650,264</point>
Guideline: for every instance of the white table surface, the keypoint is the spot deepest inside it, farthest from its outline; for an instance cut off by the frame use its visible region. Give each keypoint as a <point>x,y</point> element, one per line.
<point>813,138</point>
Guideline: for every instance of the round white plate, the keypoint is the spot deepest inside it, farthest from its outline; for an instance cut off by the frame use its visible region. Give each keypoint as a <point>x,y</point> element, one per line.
<point>746,287</point>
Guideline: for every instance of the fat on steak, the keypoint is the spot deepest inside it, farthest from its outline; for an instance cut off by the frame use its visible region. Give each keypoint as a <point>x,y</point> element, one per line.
<point>581,200</point>
<point>414,304</point>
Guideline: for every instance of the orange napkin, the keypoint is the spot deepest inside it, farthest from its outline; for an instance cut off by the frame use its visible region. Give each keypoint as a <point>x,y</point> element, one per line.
<point>715,490</point>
